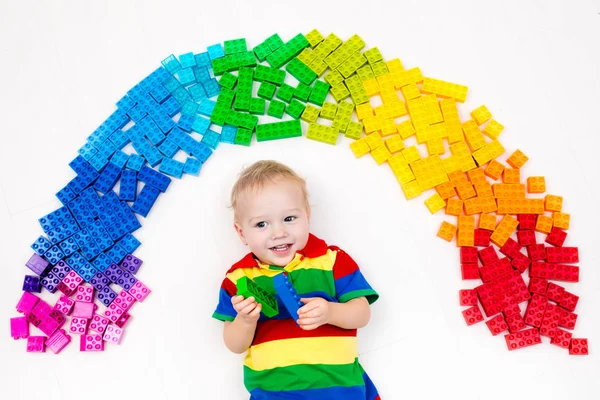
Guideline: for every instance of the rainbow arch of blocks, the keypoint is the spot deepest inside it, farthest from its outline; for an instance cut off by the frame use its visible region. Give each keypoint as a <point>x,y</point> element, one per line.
<point>194,102</point>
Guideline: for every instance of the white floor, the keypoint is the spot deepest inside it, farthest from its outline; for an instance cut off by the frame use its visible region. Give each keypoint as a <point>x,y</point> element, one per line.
<point>534,64</point>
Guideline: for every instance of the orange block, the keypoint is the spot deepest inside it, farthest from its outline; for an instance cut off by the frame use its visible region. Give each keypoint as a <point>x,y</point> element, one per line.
<point>511,175</point>
<point>553,203</point>
<point>544,224</point>
<point>465,190</point>
<point>457,177</point>
<point>454,206</point>
<point>520,206</point>
<point>487,221</point>
<point>561,220</point>
<point>473,206</point>
<point>509,190</point>
<point>488,204</point>
<point>476,176</point>
<point>484,189</point>
<point>446,190</point>
<point>505,228</point>
<point>466,231</point>
<point>517,159</point>
<point>447,231</point>
<point>494,170</point>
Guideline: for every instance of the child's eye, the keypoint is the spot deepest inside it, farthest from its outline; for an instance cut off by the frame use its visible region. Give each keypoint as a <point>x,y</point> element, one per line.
<point>290,218</point>
<point>261,224</point>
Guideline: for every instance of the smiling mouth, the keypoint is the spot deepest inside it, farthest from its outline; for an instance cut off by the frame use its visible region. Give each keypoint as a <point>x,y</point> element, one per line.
<point>281,249</point>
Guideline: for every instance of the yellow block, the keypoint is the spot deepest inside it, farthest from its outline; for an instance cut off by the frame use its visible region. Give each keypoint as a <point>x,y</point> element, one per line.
<point>445,89</point>
<point>435,203</point>
<point>360,147</point>
<point>374,140</point>
<point>481,114</point>
<point>381,154</point>
<point>493,129</point>
<point>395,144</point>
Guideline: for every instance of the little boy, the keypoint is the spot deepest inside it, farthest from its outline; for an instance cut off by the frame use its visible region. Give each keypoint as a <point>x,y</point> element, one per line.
<point>312,355</point>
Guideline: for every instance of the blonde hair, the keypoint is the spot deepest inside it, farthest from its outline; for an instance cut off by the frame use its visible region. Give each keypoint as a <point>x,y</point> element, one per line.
<point>254,177</point>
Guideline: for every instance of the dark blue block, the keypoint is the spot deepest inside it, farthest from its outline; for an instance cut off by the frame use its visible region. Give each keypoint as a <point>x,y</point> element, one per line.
<point>113,272</point>
<point>50,282</point>
<point>92,201</point>
<point>145,200</point>
<point>99,280</point>
<point>61,270</point>
<point>65,195</point>
<point>41,245</point>
<point>129,243</point>
<point>31,284</point>
<point>154,178</point>
<point>80,211</point>
<point>106,295</point>
<point>287,294</point>
<point>57,218</point>
<point>128,185</point>
<point>108,178</point>
<point>116,253</point>
<point>61,233</point>
<point>80,165</point>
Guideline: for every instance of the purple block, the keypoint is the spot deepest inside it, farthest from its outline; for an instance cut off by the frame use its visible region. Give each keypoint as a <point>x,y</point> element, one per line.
<point>37,264</point>
<point>131,264</point>
<point>113,272</point>
<point>32,284</point>
<point>58,341</point>
<point>61,270</point>
<point>19,328</point>
<point>126,281</point>
<point>106,295</point>
<point>27,302</point>
<point>99,280</point>
<point>50,282</point>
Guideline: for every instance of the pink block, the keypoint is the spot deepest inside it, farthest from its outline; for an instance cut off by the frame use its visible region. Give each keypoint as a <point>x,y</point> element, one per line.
<point>85,293</point>
<point>99,323</point>
<point>19,328</point>
<point>36,344</point>
<point>72,280</point>
<point>27,302</point>
<point>91,343</point>
<point>113,312</point>
<point>42,309</point>
<point>124,318</point>
<point>78,326</point>
<point>113,334</point>
<point>58,341</point>
<point>124,300</point>
<point>139,291</point>
<point>83,309</point>
<point>49,325</point>
<point>64,305</point>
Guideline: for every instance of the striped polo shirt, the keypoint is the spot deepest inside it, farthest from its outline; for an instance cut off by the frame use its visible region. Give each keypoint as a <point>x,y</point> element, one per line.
<point>287,362</point>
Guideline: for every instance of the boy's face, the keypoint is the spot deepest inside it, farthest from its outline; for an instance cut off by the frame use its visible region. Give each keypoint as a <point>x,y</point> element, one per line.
<point>274,222</point>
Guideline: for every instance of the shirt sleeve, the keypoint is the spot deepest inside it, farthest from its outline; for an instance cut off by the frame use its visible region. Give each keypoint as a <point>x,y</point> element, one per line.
<point>225,310</point>
<point>349,281</point>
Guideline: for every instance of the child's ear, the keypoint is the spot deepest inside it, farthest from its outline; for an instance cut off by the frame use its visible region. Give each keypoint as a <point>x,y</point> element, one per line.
<point>240,233</point>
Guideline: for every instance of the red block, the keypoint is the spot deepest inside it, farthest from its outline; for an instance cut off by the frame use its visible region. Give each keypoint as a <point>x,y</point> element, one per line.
<point>472,315</point>
<point>567,319</point>
<point>536,252</point>
<point>510,249</point>
<point>482,237</point>
<point>558,272</point>
<point>569,301</point>
<point>468,255</point>
<point>526,221</point>
<point>563,254</point>
<point>468,297</point>
<point>526,238</point>
<point>534,314</point>
<point>550,321</point>
<point>497,325</point>
<point>469,271</point>
<point>556,237</point>
<point>488,255</point>
<point>514,320</point>
<point>579,347</point>
<point>562,339</point>
<point>538,285</point>
<point>520,262</point>
<point>554,292</point>
<point>525,338</point>
<point>495,270</point>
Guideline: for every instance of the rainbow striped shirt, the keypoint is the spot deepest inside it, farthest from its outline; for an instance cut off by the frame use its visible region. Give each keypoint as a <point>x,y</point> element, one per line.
<point>287,362</point>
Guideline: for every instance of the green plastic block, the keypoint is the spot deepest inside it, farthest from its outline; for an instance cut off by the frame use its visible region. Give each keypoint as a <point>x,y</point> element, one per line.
<point>365,73</point>
<point>262,51</point>
<point>248,288</point>
<point>301,72</point>
<point>373,55</point>
<point>295,109</point>
<point>245,75</point>
<point>310,114</point>
<point>285,92</point>
<point>226,97</point>
<point>228,80</point>
<point>267,90</point>
<point>380,68</point>
<point>322,133</point>
<point>269,74</point>
<point>220,65</point>
<point>257,106</point>
<point>235,46</point>
<point>278,130</point>
<point>354,130</point>
<point>274,42</point>
<point>319,93</point>
<point>242,103</point>
<point>243,137</point>
<point>288,51</point>
<point>219,114</point>
<point>329,110</point>
<point>302,92</point>
<point>248,121</point>
<point>276,109</point>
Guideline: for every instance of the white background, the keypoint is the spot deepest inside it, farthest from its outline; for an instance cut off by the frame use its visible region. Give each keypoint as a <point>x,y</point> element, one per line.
<point>534,64</point>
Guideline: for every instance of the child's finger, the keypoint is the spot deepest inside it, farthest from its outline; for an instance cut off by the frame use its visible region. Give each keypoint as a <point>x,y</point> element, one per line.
<point>248,309</point>
<point>308,307</point>
<point>256,311</point>
<point>308,321</point>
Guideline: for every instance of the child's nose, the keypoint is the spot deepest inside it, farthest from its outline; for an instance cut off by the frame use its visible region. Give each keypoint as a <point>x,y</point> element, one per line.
<point>278,231</point>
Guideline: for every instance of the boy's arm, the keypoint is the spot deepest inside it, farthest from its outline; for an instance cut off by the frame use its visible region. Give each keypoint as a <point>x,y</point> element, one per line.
<point>238,335</point>
<point>317,311</point>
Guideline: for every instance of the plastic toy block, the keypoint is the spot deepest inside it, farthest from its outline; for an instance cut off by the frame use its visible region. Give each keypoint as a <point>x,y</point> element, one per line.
<point>549,324</point>
<point>466,231</point>
<point>27,302</point>
<point>360,147</point>
<point>118,158</point>
<point>435,203</point>
<point>543,224</point>
<point>513,318</point>
<point>69,284</point>
<point>64,305</point>
<point>554,292</point>
<point>247,288</point>
<point>493,129</point>
<point>36,344</point>
<point>468,255</point>
<point>562,339</point>
<point>445,89</point>
<point>556,237</point>
<point>482,237</point>
<point>19,328</point>
<point>53,255</point>
<point>473,206</point>
<point>135,162</point>
<point>314,37</point>
<point>113,334</point>
<point>561,220</point>
<point>339,92</point>
<point>517,159</point>
<point>285,92</point>
<point>394,145</point>
<point>145,200</point>
<point>497,325</point>
<point>553,203</point>
<point>510,249</point>
<point>469,271</point>
<point>113,312</point>
<point>301,71</point>
<point>278,130</point>
<point>562,254</point>
<point>65,195</point>
<point>171,64</point>
<point>524,338</point>
<point>536,184</point>
<point>311,114</point>
<point>154,178</point>
<point>124,300</point>
<point>266,90</point>
<point>295,109</point>
<point>126,281</point>
<point>468,297</point>
<point>276,109</point>
<point>503,231</point>
<point>31,283</point>
<point>487,222</point>
<point>527,221</point>
<point>287,294</point>
<point>123,320</point>
<point>302,92</point>
<point>567,319</point>
<point>171,167</point>
<point>215,51</point>
<point>494,270</point>
<point>472,315</point>
<point>481,114</point>
<point>128,185</point>
<point>139,291</point>
<point>454,206</point>
<point>106,295</point>
<point>511,175</point>
<point>465,190</point>
<point>91,342</point>
<point>58,341</point>
<point>99,323</point>
<point>569,301</point>
<point>78,326</point>
<point>526,237</point>
<point>447,231</point>
<point>322,133</point>
<point>567,273</point>
<point>50,282</point>
<point>354,131</point>
<point>85,293</point>
<point>83,309</point>
<point>319,93</point>
<point>536,252</point>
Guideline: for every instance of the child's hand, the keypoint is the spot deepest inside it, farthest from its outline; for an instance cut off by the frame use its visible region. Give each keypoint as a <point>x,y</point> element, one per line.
<point>314,313</point>
<point>248,309</point>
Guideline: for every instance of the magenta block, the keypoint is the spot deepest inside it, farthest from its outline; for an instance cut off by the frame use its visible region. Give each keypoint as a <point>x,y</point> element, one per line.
<point>36,344</point>
<point>19,328</point>
<point>85,293</point>
<point>124,300</point>
<point>123,320</point>
<point>27,302</point>
<point>113,334</point>
<point>42,309</point>
<point>92,342</point>
<point>58,341</point>
<point>113,312</point>
<point>64,305</point>
<point>99,323</point>
<point>83,309</point>
<point>139,291</point>
<point>48,325</point>
<point>78,326</point>
<point>70,283</point>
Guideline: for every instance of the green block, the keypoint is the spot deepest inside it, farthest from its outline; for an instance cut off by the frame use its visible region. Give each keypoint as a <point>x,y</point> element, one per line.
<point>269,74</point>
<point>248,121</point>
<point>226,97</point>
<point>247,288</point>
<point>295,109</point>
<point>274,42</point>
<point>278,130</point>
<point>228,80</point>
<point>301,72</point>
<point>235,46</point>
<point>243,137</point>
<point>262,51</point>
<point>220,65</point>
<point>266,90</point>
<point>219,114</point>
<point>285,92</point>
<point>288,51</point>
<point>242,103</point>
<point>257,106</point>
<point>319,93</point>
<point>302,92</point>
<point>276,109</point>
